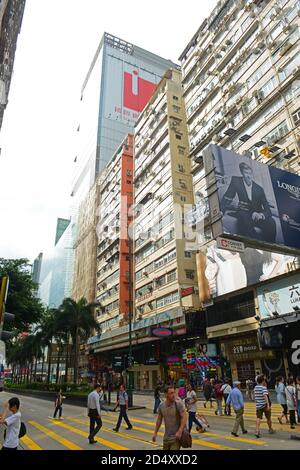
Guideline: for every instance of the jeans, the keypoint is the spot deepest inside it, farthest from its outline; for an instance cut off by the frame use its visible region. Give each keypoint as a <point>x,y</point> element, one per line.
<point>157,402</point>
<point>193,419</point>
<point>58,408</point>
<point>94,419</point>
<point>298,411</point>
<point>229,407</point>
<point>292,417</point>
<point>123,414</point>
<point>219,407</point>
<point>239,420</point>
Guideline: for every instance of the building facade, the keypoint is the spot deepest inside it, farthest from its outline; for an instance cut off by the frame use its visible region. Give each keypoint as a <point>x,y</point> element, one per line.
<point>11,17</point>
<point>241,90</point>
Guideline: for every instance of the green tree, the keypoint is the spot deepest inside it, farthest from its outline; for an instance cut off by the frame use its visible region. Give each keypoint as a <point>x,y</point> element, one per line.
<point>77,319</point>
<point>21,299</point>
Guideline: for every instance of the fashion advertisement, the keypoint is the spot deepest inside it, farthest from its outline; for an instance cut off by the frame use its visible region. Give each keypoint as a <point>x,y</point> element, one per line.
<point>221,271</point>
<point>280,297</point>
<point>256,201</point>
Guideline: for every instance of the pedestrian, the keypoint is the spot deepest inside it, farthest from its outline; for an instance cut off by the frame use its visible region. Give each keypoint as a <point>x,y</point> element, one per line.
<point>207,391</point>
<point>157,400</point>
<point>191,406</point>
<point>13,423</point>
<point>263,405</point>
<point>291,400</point>
<point>58,404</point>
<point>94,413</point>
<point>258,374</point>
<point>122,402</point>
<point>175,418</point>
<point>182,391</point>
<point>249,389</point>
<point>226,389</point>
<point>219,397</point>
<point>236,399</point>
<point>298,397</point>
<point>281,399</point>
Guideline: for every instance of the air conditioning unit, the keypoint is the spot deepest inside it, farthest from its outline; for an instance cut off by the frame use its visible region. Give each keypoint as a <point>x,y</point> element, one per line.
<point>285,48</point>
<point>145,273</point>
<point>162,162</point>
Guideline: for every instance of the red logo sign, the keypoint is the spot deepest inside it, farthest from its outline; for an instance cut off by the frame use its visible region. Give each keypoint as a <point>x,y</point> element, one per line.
<point>161,332</point>
<point>137,91</point>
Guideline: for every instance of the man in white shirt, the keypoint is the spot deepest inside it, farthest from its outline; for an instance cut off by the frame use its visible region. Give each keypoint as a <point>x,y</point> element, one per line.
<point>94,413</point>
<point>13,423</point>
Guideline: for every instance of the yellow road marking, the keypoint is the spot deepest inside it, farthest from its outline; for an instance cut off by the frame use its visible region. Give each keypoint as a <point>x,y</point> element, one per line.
<point>209,434</point>
<point>104,442</point>
<point>30,443</point>
<point>195,441</point>
<point>122,434</point>
<point>65,442</point>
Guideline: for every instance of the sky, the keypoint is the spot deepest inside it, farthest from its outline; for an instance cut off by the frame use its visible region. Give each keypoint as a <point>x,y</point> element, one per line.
<point>55,48</point>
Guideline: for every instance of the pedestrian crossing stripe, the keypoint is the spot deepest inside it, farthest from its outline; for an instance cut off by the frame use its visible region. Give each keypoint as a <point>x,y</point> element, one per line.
<point>56,437</point>
<point>30,444</point>
<point>207,434</point>
<point>121,434</point>
<point>104,442</point>
<point>195,441</point>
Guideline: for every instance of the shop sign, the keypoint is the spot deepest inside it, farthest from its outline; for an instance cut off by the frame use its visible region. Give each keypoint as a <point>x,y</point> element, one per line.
<point>185,291</point>
<point>174,362</point>
<point>161,332</point>
<point>151,361</point>
<point>246,349</point>
<point>231,245</point>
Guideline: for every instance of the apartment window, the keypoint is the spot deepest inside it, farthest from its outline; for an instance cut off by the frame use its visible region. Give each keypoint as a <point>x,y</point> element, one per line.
<point>178,136</point>
<point>175,98</point>
<point>181,150</point>
<point>183,198</point>
<point>189,274</point>
<point>181,168</point>
<point>277,133</point>
<point>176,109</point>
<point>187,254</point>
<point>168,299</point>
<point>165,259</point>
<point>296,117</point>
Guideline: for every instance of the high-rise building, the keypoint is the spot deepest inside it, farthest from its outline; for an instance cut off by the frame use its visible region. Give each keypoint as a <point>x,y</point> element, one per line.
<point>11,16</point>
<point>241,73</point>
<point>165,278</point>
<point>119,83</point>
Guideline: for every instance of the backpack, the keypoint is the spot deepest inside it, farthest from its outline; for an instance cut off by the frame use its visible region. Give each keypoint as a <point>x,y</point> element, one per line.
<point>22,432</point>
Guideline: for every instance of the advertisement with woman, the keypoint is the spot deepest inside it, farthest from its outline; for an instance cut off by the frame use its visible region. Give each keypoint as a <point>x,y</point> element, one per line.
<point>221,272</point>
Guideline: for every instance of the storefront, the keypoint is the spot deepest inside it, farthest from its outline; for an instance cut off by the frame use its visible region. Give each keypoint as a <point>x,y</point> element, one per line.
<point>246,357</point>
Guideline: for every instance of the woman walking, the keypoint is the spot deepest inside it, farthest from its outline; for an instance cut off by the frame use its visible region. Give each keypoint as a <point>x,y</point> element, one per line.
<point>290,392</point>
<point>226,389</point>
<point>298,397</point>
<point>281,399</point>
<point>207,391</point>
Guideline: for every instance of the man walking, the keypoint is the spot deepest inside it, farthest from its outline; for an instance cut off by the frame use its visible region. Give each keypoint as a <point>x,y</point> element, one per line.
<point>263,405</point>
<point>94,413</point>
<point>236,398</point>
<point>58,404</point>
<point>157,400</point>
<point>122,401</point>
<point>175,418</point>
<point>226,390</point>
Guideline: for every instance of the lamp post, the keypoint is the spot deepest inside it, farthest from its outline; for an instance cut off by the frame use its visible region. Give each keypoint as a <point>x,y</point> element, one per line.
<point>130,358</point>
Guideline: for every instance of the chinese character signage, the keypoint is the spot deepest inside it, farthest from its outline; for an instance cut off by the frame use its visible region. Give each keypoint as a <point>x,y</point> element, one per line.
<point>280,297</point>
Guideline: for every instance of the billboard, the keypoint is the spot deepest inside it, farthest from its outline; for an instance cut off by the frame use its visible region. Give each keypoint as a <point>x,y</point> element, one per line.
<point>252,202</point>
<point>280,297</point>
<point>222,271</point>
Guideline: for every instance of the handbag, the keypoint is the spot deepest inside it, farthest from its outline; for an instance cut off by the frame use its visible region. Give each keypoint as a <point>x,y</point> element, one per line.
<point>186,438</point>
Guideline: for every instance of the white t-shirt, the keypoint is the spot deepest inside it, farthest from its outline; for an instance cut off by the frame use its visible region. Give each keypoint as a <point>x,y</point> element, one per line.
<point>191,396</point>
<point>226,389</point>
<point>12,431</point>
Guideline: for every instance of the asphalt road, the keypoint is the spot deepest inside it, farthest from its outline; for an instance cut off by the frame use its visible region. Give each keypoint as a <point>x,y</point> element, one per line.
<point>71,433</point>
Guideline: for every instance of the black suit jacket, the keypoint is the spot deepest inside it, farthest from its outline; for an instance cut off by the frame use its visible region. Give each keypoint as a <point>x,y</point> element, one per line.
<point>258,203</point>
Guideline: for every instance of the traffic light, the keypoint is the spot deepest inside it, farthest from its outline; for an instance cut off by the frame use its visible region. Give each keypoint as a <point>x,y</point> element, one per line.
<point>4,316</point>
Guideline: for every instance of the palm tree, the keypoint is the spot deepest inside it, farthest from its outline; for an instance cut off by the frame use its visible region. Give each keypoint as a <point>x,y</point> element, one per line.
<point>77,319</point>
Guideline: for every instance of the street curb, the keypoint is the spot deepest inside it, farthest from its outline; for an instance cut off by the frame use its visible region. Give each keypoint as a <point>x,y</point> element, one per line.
<point>50,396</point>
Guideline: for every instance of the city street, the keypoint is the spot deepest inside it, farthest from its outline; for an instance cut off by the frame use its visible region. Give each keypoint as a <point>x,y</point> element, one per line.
<point>71,432</point>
